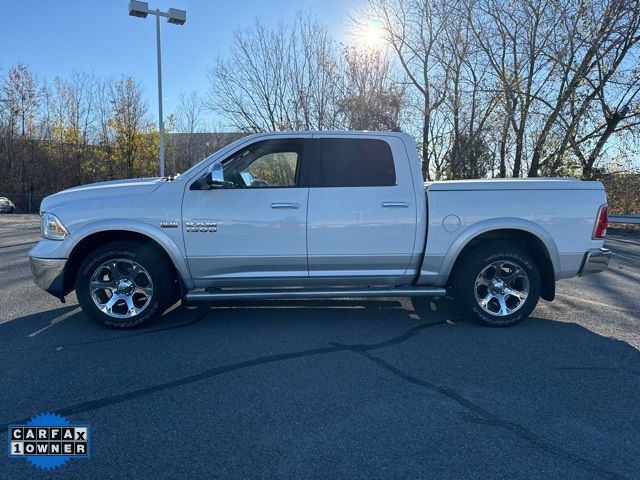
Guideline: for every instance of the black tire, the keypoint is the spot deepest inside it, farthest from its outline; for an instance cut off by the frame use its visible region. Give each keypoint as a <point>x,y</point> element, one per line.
<point>154,266</point>
<point>470,290</point>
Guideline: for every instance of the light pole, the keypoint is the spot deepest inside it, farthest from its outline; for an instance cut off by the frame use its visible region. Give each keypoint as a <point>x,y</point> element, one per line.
<point>173,15</point>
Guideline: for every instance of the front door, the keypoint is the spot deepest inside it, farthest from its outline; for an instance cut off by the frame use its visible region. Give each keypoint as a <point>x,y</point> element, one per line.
<point>254,227</point>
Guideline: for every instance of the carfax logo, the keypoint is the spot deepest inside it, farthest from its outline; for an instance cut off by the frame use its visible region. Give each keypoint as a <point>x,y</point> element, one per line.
<point>49,441</point>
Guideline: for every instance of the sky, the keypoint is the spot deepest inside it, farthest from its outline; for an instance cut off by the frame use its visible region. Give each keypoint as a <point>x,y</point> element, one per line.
<point>59,37</point>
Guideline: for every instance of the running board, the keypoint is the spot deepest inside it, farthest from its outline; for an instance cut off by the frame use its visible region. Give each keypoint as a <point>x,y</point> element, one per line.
<point>293,293</point>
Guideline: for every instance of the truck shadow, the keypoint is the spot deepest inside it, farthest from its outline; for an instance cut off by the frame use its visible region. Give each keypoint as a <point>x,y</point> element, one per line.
<point>555,386</point>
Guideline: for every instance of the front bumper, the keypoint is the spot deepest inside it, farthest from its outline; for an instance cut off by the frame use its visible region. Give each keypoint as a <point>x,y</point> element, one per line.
<point>595,261</point>
<point>48,274</point>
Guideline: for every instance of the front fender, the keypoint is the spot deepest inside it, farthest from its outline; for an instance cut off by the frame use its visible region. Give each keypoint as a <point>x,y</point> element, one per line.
<point>484,226</point>
<point>66,247</point>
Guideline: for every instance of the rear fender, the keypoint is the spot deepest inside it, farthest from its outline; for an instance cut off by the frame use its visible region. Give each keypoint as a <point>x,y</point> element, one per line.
<point>496,224</point>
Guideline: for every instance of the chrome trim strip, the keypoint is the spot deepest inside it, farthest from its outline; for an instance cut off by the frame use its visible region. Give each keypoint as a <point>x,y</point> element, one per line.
<point>294,293</point>
<point>595,261</point>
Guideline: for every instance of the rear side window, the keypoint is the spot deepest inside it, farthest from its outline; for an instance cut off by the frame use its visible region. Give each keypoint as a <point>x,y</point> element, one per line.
<point>346,162</point>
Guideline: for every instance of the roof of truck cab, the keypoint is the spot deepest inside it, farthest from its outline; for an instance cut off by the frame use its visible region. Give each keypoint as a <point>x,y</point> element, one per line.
<point>515,184</point>
<point>330,133</point>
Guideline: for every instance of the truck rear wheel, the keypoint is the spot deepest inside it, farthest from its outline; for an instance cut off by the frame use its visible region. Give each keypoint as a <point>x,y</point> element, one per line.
<point>124,284</point>
<point>498,284</point>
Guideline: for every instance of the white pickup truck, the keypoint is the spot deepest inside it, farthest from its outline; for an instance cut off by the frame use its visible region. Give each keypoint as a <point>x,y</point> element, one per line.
<point>317,215</point>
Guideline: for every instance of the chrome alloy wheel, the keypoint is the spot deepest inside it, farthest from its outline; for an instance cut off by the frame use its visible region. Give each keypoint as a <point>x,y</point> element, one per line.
<point>121,288</point>
<point>502,288</point>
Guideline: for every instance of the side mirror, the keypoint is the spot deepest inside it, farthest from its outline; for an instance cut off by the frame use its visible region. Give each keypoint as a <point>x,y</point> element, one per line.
<point>215,177</point>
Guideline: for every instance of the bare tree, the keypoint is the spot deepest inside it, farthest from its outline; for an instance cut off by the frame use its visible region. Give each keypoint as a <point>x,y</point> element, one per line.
<point>606,100</point>
<point>595,39</point>
<point>552,62</point>
<point>514,37</point>
<point>369,99</point>
<point>312,68</point>
<point>21,97</point>
<point>279,79</point>
<point>413,29</point>
<point>188,122</point>
<point>73,130</point>
<point>130,124</point>
<point>487,87</point>
<point>69,118</point>
<point>469,101</point>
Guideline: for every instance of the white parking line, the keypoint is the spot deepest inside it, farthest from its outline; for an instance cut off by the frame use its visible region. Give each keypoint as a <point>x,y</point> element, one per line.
<point>600,304</point>
<point>59,319</point>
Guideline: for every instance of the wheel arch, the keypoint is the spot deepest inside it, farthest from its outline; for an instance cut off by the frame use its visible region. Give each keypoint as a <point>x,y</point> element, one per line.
<point>530,237</point>
<point>95,235</point>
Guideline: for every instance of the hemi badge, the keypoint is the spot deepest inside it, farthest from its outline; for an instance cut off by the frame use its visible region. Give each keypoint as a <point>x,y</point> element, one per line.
<point>168,224</point>
<point>201,226</point>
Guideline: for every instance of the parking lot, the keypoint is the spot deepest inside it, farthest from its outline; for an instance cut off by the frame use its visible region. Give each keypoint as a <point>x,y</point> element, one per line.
<point>376,388</point>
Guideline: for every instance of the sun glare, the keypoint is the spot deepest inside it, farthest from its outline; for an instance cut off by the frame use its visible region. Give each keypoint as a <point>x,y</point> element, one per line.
<point>370,34</point>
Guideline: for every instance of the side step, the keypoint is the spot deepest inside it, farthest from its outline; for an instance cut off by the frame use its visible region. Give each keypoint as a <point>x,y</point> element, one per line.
<point>292,293</point>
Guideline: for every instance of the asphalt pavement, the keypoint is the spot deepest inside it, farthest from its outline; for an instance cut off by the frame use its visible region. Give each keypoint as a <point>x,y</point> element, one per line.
<point>376,388</point>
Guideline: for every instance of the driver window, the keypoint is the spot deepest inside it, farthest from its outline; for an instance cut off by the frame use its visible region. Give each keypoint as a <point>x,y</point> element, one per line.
<point>270,163</point>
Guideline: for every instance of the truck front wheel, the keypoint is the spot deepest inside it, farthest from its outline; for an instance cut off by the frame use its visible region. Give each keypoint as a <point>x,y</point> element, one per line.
<point>498,284</point>
<point>124,284</point>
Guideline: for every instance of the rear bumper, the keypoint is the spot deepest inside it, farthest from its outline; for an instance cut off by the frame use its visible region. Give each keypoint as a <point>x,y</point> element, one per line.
<point>595,261</point>
<point>48,274</point>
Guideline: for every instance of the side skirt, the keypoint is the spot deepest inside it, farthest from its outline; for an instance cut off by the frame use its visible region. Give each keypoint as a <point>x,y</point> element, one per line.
<point>292,293</point>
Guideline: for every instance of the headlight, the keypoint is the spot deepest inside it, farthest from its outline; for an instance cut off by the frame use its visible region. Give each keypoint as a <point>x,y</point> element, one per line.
<point>52,228</point>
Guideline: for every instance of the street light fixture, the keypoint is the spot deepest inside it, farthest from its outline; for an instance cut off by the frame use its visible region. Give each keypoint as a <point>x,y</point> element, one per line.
<point>177,17</point>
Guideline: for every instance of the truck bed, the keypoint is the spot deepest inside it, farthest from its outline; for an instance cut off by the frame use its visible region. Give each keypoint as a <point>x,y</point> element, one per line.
<point>513,184</point>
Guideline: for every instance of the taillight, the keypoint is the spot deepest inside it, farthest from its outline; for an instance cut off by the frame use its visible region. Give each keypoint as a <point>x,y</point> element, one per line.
<point>602,222</point>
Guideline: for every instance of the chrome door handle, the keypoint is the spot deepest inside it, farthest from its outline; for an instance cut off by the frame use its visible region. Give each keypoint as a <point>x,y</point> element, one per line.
<point>284,205</point>
<point>395,204</point>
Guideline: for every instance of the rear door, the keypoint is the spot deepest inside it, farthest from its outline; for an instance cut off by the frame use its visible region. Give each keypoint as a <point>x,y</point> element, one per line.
<point>361,221</point>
